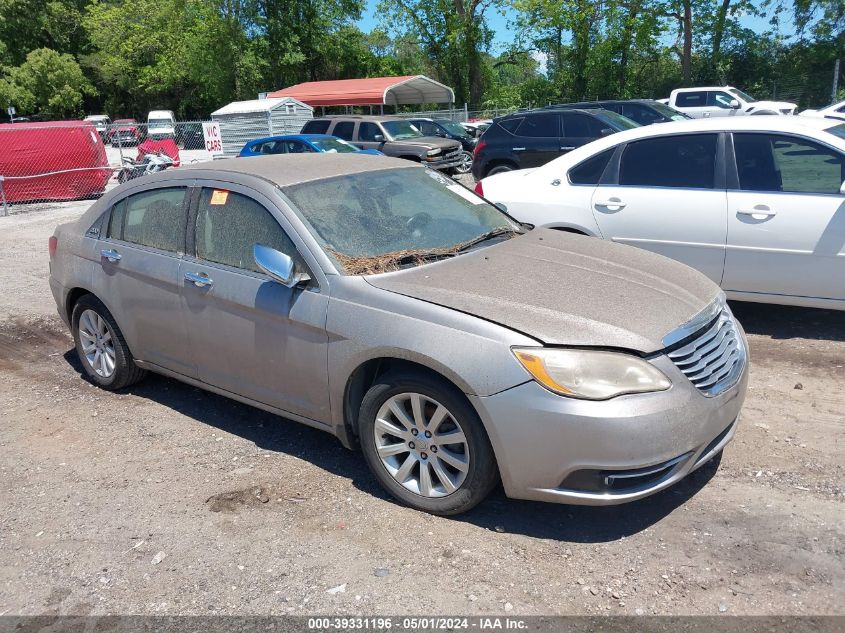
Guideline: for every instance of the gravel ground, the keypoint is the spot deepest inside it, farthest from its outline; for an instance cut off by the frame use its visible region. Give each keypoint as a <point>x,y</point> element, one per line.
<point>165,499</point>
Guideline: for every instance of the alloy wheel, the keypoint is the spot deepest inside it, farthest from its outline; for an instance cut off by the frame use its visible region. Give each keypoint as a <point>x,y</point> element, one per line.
<point>465,165</point>
<point>421,445</point>
<point>97,343</point>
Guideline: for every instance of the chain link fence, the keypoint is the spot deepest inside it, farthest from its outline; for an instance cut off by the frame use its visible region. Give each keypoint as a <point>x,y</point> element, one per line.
<point>77,160</point>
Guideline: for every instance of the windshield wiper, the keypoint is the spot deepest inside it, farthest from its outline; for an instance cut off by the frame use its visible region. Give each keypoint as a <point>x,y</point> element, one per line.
<point>489,235</point>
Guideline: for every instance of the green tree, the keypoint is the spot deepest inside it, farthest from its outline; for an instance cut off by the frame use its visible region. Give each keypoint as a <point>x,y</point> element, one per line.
<point>453,35</point>
<point>47,83</point>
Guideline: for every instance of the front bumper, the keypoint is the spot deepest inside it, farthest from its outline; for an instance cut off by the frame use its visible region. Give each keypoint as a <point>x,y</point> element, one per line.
<point>444,163</point>
<point>563,450</point>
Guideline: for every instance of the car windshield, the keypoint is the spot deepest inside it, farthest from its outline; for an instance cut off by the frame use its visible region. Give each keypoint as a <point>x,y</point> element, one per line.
<point>453,128</point>
<point>400,130</point>
<point>742,95</point>
<point>618,121</point>
<point>670,113</point>
<point>333,145</point>
<point>837,130</point>
<point>160,123</point>
<point>378,221</point>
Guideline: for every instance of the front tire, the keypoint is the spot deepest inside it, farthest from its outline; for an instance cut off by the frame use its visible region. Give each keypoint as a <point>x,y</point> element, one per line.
<point>425,444</point>
<point>101,348</point>
<point>466,164</point>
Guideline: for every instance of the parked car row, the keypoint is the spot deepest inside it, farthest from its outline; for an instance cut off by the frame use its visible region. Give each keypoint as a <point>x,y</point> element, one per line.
<point>756,204</point>
<point>160,125</point>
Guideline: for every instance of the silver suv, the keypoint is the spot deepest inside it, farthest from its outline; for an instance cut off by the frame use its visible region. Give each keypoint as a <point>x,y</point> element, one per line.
<point>393,136</point>
<point>397,310</point>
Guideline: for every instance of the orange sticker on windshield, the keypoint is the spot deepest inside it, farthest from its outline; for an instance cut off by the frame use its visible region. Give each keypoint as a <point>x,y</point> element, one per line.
<point>219,196</point>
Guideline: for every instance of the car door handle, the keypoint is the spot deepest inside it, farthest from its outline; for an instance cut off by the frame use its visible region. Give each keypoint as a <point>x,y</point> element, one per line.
<point>613,204</point>
<point>568,148</point>
<point>200,280</point>
<point>111,255</point>
<point>760,212</point>
<point>519,149</point>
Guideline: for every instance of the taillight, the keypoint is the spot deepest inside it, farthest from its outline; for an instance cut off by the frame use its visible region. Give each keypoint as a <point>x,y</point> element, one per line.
<point>479,189</point>
<point>54,242</point>
<point>478,147</point>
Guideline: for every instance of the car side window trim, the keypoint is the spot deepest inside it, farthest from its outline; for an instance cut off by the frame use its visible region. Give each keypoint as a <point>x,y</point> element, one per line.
<point>306,257</point>
<point>733,168</point>
<point>612,172</point>
<point>105,222</point>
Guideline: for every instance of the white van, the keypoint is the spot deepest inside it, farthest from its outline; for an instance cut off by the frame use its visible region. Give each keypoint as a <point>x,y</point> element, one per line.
<point>161,124</point>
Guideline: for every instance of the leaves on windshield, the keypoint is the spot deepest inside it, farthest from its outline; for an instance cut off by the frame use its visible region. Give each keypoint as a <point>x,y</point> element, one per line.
<point>388,262</point>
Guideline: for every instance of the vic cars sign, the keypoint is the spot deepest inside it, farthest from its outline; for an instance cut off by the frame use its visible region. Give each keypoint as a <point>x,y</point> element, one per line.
<point>213,140</point>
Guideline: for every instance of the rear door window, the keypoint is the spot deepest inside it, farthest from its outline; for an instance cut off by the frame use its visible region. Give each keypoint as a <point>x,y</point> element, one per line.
<point>685,161</point>
<point>344,130</point>
<point>229,224</point>
<point>154,218</point>
<point>540,126</point>
<point>297,147</point>
<point>317,126</point>
<point>691,99</point>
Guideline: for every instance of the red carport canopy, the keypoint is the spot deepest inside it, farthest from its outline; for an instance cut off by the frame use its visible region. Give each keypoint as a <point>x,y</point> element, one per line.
<point>371,91</point>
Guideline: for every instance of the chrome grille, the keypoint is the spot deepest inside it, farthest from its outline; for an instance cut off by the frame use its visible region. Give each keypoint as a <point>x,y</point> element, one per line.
<point>454,153</point>
<point>714,358</point>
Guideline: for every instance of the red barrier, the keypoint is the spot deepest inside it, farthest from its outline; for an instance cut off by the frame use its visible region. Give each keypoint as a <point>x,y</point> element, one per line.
<point>59,160</point>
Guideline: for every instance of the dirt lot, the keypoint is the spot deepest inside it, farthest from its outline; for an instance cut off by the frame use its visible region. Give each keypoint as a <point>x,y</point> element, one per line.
<point>165,499</point>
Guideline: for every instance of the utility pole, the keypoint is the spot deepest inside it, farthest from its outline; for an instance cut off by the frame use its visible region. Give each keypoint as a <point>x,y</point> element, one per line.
<point>835,91</point>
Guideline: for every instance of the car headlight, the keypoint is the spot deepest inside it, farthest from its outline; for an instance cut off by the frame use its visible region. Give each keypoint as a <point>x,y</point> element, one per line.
<point>433,152</point>
<point>590,374</point>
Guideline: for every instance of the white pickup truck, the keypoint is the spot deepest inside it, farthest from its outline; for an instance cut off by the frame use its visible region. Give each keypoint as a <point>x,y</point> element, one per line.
<point>702,103</point>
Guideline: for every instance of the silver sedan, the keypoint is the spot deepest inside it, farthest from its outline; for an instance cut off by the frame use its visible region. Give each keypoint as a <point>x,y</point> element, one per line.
<point>390,306</point>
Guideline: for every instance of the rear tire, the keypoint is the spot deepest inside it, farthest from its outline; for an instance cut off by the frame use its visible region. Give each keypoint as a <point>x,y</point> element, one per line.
<point>499,169</point>
<point>441,435</point>
<point>101,348</point>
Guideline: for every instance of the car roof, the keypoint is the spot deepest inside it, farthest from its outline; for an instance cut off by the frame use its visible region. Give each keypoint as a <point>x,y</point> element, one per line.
<point>292,137</point>
<point>362,117</point>
<point>284,170</point>
<point>705,88</point>
<point>594,104</point>
<point>552,108</point>
<point>776,124</point>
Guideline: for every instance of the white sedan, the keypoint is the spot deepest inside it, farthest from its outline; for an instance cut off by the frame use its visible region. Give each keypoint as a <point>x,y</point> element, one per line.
<point>755,203</point>
<point>833,111</point>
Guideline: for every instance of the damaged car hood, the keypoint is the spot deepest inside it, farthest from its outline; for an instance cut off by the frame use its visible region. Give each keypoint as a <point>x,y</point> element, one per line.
<point>564,289</point>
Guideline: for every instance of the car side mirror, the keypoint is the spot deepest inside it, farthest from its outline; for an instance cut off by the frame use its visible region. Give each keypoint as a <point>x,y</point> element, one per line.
<point>277,265</point>
<point>734,104</point>
<point>379,138</point>
<point>607,131</point>
<point>501,206</point>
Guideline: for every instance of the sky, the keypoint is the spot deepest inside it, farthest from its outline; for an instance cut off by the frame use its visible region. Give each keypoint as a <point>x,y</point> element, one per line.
<point>504,36</point>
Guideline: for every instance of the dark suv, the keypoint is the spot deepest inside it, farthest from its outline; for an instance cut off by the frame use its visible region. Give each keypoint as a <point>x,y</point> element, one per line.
<point>643,111</point>
<point>446,128</point>
<point>390,135</point>
<point>534,137</point>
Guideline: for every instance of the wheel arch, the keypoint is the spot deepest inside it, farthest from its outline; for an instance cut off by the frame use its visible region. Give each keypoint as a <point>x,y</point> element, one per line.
<point>496,162</point>
<point>365,375</point>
